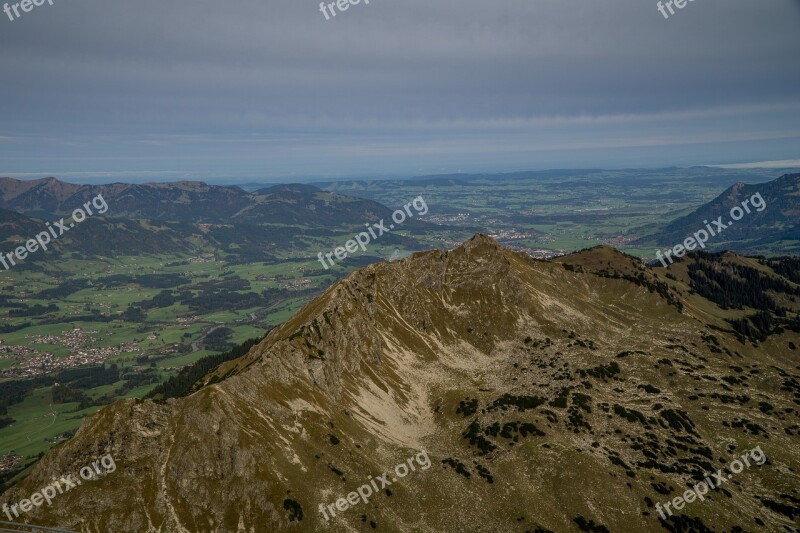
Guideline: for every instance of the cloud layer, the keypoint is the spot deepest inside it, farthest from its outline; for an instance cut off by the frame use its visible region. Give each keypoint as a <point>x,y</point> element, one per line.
<point>266,88</point>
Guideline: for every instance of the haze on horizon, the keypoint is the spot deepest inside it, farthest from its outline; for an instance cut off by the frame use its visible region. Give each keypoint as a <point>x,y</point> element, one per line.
<point>264,90</point>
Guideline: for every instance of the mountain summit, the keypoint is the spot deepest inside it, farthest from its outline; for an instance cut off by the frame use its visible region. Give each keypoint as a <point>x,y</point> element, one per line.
<point>578,394</point>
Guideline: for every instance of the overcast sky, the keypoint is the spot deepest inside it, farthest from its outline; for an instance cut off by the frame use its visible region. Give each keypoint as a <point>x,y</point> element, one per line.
<point>242,90</point>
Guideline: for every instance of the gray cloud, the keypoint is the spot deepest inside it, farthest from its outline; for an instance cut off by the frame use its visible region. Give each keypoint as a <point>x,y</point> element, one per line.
<point>270,87</point>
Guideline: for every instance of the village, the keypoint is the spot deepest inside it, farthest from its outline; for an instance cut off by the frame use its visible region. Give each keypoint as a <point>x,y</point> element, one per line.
<point>9,461</point>
<point>33,363</point>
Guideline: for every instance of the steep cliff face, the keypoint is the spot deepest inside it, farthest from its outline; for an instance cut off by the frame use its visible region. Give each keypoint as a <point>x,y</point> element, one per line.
<point>547,395</point>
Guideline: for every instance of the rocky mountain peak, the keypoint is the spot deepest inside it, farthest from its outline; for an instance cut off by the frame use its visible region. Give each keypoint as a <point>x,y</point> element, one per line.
<point>546,394</point>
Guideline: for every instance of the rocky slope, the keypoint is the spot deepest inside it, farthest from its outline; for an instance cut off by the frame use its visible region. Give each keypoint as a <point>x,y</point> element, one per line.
<point>549,396</point>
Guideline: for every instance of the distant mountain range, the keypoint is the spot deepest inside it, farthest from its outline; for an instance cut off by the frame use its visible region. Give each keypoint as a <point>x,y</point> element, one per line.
<point>756,232</point>
<point>187,215</point>
<point>184,216</point>
<point>93,236</point>
<point>194,202</point>
<point>581,394</point>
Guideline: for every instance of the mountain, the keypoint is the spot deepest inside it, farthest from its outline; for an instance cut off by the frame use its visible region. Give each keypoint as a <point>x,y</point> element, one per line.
<point>32,196</point>
<point>194,202</point>
<point>581,394</point>
<point>14,224</point>
<point>756,231</point>
<point>93,236</point>
<point>187,216</point>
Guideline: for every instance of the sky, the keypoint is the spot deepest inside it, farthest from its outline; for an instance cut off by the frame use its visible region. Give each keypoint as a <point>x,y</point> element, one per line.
<point>269,90</point>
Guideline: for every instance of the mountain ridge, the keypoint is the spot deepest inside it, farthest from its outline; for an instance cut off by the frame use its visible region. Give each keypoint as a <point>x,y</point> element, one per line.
<point>194,202</point>
<point>778,221</point>
<point>389,360</point>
